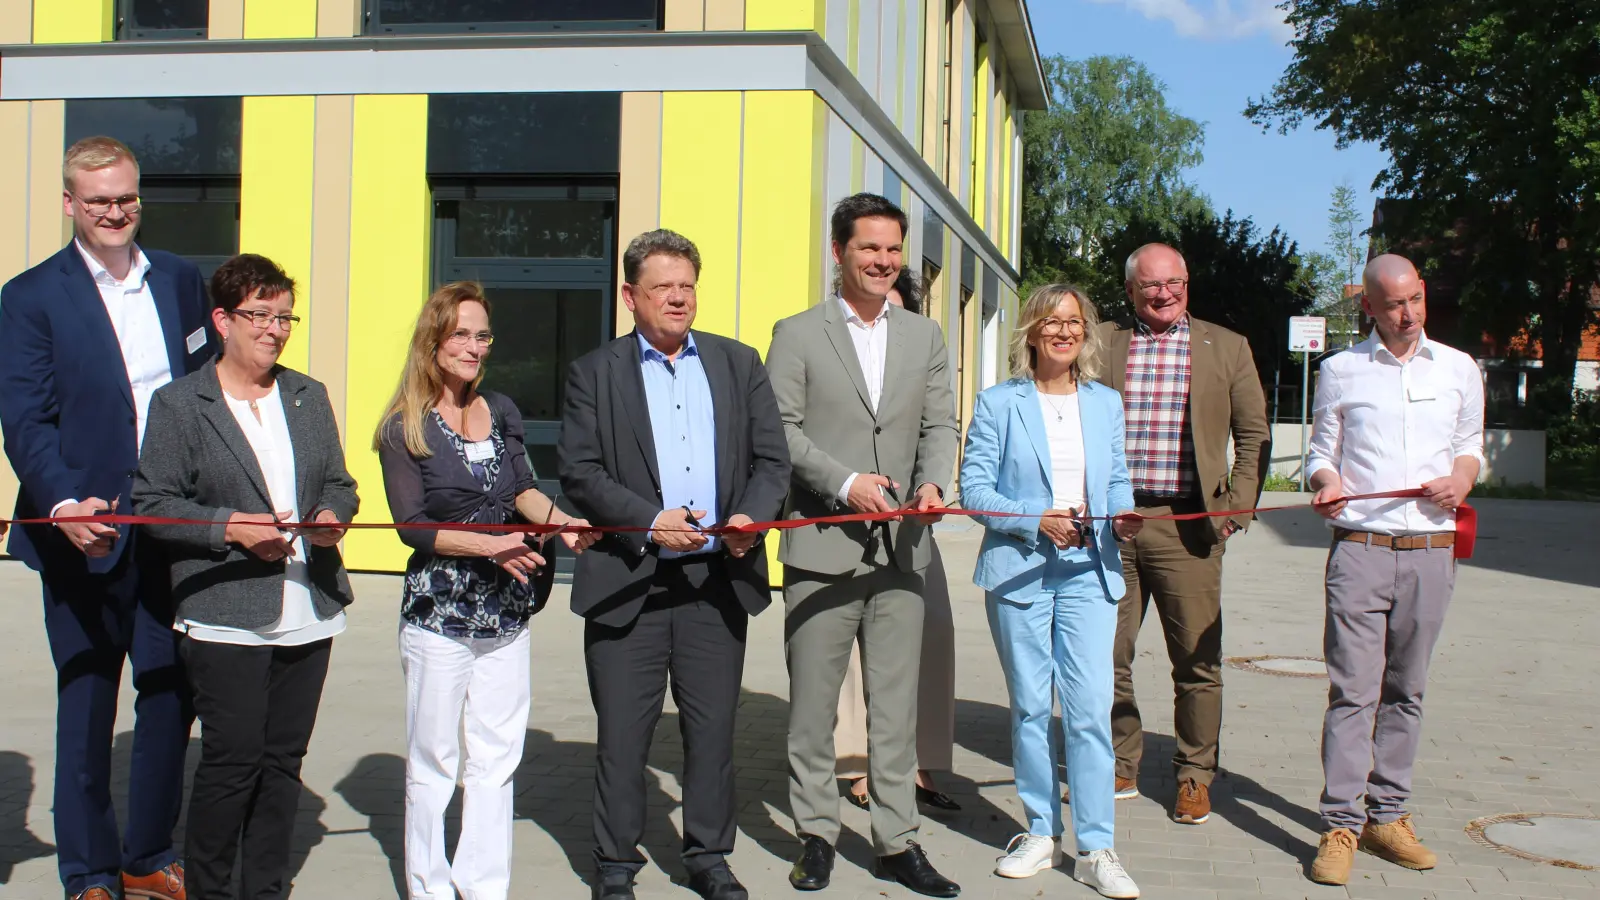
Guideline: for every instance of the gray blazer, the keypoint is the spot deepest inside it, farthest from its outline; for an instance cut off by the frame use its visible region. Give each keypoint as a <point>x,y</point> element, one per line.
<point>197,464</point>
<point>832,432</point>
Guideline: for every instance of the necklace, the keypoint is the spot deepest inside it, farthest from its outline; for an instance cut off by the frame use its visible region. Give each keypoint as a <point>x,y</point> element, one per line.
<point>1061,409</point>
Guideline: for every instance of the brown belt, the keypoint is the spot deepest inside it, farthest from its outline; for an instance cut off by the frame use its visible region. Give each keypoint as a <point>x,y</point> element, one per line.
<point>1432,541</point>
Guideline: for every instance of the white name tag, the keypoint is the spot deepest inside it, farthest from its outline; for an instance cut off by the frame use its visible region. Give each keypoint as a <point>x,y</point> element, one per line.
<point>480,451</point>
<point>1416,392</point>
<point>196,339</point>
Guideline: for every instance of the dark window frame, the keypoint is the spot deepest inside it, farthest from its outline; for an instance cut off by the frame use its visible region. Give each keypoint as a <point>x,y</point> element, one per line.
<point>128,30</point>
<point>372,24</point>
<point>190,189</point>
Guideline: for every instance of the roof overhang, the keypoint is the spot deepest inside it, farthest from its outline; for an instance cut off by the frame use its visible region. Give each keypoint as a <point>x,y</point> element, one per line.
<point>1021,52</point>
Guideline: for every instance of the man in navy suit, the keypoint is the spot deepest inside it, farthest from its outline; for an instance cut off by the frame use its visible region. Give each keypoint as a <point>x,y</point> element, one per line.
<point>85,338</point>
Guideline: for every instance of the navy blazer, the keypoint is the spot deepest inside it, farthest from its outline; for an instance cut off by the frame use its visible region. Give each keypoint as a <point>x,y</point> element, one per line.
<point>66,406</point>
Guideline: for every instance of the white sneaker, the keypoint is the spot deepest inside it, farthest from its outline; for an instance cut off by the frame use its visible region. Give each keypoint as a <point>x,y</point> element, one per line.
<point>1027,855</point>
<point>1102,871</point>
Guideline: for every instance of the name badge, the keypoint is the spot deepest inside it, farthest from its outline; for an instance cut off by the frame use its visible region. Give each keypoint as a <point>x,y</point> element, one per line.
<point>196,339</point>
<point>480,451</point>
<point>1419,392</point>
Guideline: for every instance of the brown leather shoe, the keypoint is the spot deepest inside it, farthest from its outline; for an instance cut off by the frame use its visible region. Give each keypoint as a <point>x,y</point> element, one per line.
<point>1335,855</point>
<point>1397,842</point>
<point>95,893</point>
<point>162,884</point>
<point>1194,803</point>
<point>1127,788</point>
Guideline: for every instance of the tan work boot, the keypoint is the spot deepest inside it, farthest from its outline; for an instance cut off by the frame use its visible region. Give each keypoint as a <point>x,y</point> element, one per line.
<point>1335,855</point>
<point>1397,842</point>
<point>1194,803</point>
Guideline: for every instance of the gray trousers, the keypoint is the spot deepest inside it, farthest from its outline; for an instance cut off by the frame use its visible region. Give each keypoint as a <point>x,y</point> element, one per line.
<point>1385,611</point>
<point>882,609</point>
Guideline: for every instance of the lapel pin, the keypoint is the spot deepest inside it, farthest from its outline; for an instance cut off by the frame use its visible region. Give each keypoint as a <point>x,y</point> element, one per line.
<point>297,402</point>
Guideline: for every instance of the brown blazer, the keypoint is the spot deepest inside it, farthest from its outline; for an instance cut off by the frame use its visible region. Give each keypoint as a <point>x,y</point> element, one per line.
<point>1225,398</point>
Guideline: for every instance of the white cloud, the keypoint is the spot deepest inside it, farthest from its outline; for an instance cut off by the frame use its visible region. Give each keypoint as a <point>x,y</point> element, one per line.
<point>1215,18</point>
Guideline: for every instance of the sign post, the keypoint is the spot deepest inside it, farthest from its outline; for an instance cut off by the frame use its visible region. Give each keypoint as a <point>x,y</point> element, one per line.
<point>1307,335</point>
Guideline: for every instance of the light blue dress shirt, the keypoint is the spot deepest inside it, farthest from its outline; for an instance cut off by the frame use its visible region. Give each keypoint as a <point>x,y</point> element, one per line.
<point>682,420</point>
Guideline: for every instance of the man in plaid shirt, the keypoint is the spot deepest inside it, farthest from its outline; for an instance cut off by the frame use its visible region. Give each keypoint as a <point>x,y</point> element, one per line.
<point>1188,386</point>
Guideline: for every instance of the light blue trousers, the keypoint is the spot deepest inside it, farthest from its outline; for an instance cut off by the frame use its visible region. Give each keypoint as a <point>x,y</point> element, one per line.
<point>1062,638</point>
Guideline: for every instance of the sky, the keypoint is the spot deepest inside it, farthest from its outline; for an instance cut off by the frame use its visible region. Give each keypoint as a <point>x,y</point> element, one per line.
<point>1214,55</point>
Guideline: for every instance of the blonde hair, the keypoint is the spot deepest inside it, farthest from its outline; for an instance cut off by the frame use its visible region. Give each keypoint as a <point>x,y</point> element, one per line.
<point>1042,305</point>
<point>99,152</point>
<point>421,382</point>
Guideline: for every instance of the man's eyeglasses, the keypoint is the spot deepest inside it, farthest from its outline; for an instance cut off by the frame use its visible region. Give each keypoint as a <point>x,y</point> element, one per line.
<point>1052,327</point>
<point>100,207</point>
<point>262,319</point>
<point>662,292</point>
<point>462,336</point>
<point>1152,289</point>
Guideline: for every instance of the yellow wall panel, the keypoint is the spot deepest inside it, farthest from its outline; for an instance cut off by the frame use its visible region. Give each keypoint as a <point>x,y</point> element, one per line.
<point>1004,186</point>
<point>73,21</point>
<point>280,18</point>
<point>276,154</point>
<point>780,271</point>
<point>390,226</point>
<point>786,15</point>
<point>980,135</point>
<point>700,162</point>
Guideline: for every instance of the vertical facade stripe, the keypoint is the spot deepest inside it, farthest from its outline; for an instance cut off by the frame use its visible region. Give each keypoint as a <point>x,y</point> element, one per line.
<point>980,135</point>
<point>724,15</point>
<point>73,21</point>
<point>225,20</point>
<point>786,15</point>
<point>338,18</point>
<point>16,23</point>
<point>389,281</point>
<point>639,191</point>
<point>700,135</point>
<point>14,209</point>
<point>280,18</point>
<point>276,162</point>
<point>685,15</point>
<point>780,270</point>
<point>48,227</point>
<point>330,248</point>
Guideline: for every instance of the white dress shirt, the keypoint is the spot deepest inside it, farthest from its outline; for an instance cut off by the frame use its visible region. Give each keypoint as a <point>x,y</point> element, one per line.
<point>1063,431</point>
<point>871,341</point>
<point>1384,425</point>
<point>297,623</point>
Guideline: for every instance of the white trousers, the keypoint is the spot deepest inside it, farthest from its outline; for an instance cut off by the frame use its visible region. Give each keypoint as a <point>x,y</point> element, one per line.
<point>477,689</point>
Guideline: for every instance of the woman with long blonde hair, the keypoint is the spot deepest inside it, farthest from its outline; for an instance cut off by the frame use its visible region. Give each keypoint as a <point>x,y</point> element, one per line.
<point>1048,446</point>
<point>454,454</point>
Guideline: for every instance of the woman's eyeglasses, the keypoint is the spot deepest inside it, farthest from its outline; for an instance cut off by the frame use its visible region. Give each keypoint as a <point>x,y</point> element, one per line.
<point>1053,327</point>
<point>262,319</point>
<point>462,336</point>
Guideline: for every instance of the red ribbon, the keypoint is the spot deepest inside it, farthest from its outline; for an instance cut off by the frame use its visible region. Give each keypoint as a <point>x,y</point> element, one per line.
<point>1466,521</point>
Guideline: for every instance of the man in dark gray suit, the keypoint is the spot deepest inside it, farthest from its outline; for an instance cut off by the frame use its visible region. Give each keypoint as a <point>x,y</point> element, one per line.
<point>865,397</point>
<point>669,430</point>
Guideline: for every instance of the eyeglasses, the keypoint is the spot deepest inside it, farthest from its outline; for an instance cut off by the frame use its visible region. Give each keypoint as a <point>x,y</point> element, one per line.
<point>1053,327</point>
<point>462,336</point>
<point>262,320</point>
<point>662,292</point>
<point>100,207</point>
<point>1152,289</point>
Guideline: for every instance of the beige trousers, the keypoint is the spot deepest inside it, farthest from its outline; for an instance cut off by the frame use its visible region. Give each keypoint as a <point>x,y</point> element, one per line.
<point>936,688</point>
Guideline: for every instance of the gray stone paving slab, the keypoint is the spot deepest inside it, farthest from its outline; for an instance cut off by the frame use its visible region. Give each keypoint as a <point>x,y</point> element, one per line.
<point>1511,718</point>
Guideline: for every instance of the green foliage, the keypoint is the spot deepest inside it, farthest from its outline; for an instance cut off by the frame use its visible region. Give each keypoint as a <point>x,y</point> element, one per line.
<point>1490,111</point>
<point>1281,483</point>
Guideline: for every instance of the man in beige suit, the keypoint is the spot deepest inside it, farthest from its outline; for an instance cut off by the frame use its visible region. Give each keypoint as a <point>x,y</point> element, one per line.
<point>1187,385</point>
<point>865,399</point>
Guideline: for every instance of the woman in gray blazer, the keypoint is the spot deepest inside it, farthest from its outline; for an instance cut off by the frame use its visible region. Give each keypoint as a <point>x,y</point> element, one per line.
<point>245,444</point>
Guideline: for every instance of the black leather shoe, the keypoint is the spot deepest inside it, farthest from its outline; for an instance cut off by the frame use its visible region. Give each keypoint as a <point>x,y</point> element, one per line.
<point>936,799</point>
<point>814,868</point>
<point>861,801</point>
<point>613,884</point>
<point>911,868</point>
<point>718,883</point>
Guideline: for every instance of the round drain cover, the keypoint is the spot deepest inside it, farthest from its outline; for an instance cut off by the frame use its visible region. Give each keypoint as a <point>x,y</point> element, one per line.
<point>1287,666</point>
<point>1572,842</point>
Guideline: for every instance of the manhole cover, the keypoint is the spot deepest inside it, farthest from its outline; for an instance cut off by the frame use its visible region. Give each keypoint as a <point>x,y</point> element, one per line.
<point>1287,666</point>
<point>1572,842</point>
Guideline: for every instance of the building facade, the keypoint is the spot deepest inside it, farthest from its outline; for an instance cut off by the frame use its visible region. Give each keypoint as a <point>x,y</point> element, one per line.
<point>379,148</point>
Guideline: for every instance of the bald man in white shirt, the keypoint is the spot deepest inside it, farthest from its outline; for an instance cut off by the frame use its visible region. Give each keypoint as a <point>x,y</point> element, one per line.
<point>1393,412</point>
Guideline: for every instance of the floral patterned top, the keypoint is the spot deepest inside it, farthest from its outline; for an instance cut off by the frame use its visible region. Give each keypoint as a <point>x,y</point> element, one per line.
<point>467,597</point>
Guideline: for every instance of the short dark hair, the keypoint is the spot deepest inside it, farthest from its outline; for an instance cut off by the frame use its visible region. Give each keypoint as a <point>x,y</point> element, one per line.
<point>247,274</point>
<point>910,289</point>
<point>661,242</point>
<point>863,206</point>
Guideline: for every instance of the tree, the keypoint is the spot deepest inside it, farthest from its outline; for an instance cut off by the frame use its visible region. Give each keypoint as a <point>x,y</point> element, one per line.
<point>1109,148</point>
<point>1490,113</point>
<point>1349,255</point>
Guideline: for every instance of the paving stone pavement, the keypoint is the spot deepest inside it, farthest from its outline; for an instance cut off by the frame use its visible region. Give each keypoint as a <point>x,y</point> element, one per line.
<point>1511,718</point>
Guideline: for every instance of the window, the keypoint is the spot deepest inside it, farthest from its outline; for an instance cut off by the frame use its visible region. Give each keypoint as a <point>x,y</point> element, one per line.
<point>198,219</point>
<point>165,20</point>
<point>434,16</point>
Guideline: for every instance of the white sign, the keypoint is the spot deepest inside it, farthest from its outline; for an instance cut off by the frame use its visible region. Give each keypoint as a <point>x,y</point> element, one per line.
<point>1308,334</point>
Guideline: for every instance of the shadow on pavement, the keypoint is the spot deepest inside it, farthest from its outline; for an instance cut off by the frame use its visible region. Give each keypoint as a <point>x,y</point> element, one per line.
<point>17,843</point>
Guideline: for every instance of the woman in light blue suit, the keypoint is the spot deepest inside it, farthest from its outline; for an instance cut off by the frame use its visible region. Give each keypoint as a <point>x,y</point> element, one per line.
<point>1043,446</point>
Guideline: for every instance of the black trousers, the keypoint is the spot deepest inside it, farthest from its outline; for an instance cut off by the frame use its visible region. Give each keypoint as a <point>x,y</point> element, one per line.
<point>691,631</point>
<point>257,706</point>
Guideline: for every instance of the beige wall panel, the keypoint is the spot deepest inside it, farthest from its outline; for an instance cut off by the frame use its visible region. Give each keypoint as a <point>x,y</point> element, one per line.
<point>330,245</point>
<point>724,15</point>
<point>47,127</point>
<point>16,26</point>
<point>226,20</point>
<point>686,15</point>
<point>13,188</point>
<point>338,18</point>
<point>639,191</point>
